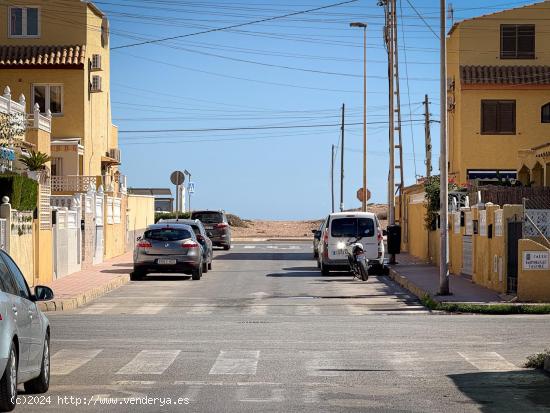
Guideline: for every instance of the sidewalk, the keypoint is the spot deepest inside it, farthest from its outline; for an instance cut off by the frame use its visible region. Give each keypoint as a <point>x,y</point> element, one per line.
<point>422,278</point>
<point>77,289</point>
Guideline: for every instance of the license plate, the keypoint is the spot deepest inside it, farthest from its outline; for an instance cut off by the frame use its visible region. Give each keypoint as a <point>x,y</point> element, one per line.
<point>166,262</point>
<point>339,252</point>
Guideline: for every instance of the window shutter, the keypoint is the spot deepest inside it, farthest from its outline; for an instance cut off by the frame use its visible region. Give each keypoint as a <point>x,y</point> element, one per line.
<point>545,113</point>
<point>489,116</point>
<point>506,117</point>
<point>507,41</point>
<point>526,41</point>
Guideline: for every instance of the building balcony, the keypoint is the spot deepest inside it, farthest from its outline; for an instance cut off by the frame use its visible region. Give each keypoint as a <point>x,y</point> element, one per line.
<point>72,184</point>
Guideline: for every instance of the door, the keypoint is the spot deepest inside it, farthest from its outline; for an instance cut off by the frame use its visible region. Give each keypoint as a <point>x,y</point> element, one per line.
<point>17,309</point>
<point>467,255</point>
<point>346,229</point>
<point>515,232</point>
<point>98,247</point>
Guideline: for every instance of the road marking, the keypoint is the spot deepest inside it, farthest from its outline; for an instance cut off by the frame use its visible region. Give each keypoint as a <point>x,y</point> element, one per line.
<point>236,362</point>
<point>358,309</point>
<point>134,383</point>
<point>200,309</point>
<point>277,396</point>
<point>488,361</point>
<point>147,309</point>
<point>249,247</point>
<point>150,362</point>
<point>256,310</point>
<point>66,361</point>
<point>406,363</point>
<point>307,310</point>
<point>98,308</point>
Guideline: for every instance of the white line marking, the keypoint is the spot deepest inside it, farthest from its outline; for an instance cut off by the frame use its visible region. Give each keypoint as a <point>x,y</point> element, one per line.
<point>134,383</point>
<point>249,247</point>
<point>147,309</point>
<point>358,309</point>
<point>66,361</point>
<point>98,308</point>
<point>200,309</point>
<point>256,310</point>
<point>236,362</point>
<point>488,361</point>
<point>277,396</point>
<point>307,310</point>
<point>150,362</point>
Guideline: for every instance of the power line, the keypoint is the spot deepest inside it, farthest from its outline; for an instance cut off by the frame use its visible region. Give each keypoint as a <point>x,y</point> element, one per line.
<point>422,18</point>
<point>233,26</point>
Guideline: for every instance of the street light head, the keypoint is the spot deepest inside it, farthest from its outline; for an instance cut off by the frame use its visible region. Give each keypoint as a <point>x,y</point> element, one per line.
<point>358,24</point>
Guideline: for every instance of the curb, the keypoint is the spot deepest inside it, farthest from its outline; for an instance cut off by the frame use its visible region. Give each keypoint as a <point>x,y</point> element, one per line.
<point>84,298</point>
<point>409,286</point>
<point>547,364</point>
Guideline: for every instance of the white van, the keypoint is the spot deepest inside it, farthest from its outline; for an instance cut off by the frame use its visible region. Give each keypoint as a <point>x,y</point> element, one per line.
<point>343,227</point>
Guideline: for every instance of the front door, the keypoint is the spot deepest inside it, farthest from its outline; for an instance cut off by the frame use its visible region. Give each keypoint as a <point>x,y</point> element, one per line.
<point>515,232</point>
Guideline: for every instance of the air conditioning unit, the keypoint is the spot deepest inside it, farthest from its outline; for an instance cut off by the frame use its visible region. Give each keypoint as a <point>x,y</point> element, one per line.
<point>96,62</point>
<point>114,153</point>
<point>96,84</point>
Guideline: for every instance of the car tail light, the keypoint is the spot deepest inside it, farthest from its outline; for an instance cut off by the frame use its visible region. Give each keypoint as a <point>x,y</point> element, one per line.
<point>144,244</point>
<point>325,237</point>
<point>0,317</point>
<point>221,225</point>
<point>200,238</point>
<point>189,244</point>
<point>380,236</point>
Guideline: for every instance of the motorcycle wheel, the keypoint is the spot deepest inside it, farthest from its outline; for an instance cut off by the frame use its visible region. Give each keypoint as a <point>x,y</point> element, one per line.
<point>364,271</point>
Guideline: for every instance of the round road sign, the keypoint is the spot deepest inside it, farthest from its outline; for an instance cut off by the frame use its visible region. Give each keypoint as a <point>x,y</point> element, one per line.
<point>177,177</point>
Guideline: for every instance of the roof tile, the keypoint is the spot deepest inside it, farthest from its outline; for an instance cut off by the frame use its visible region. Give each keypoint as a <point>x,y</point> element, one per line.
<point>16,56</point>
<point>505,75</point>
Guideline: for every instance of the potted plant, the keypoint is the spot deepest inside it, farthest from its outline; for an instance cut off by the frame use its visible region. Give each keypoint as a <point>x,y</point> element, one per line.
<point>35,163</point>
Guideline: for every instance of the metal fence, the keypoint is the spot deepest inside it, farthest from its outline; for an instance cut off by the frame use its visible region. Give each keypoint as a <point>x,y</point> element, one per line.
<point>538,197</point>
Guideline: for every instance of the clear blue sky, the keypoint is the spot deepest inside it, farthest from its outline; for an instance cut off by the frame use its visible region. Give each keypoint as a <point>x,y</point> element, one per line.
<point>203,82</point>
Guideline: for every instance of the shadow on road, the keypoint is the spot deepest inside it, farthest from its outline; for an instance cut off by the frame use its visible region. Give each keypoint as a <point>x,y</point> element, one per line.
<point>163,277</point>
<point>294,274</point>
<point>507,391</point>
<point>120,271</point>
<point>263,256</point>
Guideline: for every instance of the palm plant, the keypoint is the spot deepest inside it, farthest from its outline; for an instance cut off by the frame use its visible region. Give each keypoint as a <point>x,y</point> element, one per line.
<point>35,161</point>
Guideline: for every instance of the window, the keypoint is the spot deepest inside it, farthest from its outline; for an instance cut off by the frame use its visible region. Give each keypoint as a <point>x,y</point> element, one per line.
<point>48,97</point>
<point>167,234</point>
<point>517,41</point>
<point>498,117</point>
<point>7,283</point>
<point>208,217</point>
<point>545,113</point>
<point>352,227</point>
<point>22,289</point>
<point>24,22</point>
<point>57,166</point>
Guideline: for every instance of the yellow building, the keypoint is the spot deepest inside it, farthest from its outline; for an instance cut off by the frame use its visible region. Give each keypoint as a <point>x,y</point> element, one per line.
<point>57,54</point>
<point>499,92</point>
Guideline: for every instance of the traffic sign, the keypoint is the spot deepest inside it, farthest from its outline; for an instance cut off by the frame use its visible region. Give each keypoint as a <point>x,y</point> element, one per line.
<point>360,194</point>
<point>191,188</point>
<point>177,177</point>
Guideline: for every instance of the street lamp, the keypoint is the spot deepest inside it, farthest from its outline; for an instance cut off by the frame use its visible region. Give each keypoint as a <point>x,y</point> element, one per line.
<point>186,172</point>
<point>364,27</point>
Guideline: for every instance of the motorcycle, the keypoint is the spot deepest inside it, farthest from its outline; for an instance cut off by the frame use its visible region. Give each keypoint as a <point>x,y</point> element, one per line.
<point>358,261</point>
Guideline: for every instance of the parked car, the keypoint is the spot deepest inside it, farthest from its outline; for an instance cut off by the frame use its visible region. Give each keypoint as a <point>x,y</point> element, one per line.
<point>24,335</point>
<point>316,239</point>
<point>342,227</point>
<point>217,224</point>
<point>168,247</point>
<point>202,236</point>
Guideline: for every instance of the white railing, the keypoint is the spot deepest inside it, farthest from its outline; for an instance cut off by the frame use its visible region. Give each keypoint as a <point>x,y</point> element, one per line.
<point>38,121</point>
<point>9,106</point>
<point>74,183</point>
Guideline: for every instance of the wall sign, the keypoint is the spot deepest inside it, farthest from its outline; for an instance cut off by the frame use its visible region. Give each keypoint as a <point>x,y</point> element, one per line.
<point>536,260</point>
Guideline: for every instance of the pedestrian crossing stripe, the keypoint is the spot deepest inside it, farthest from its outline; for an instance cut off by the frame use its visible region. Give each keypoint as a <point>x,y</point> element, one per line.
<point>66,361</point>
<point>150,362</point>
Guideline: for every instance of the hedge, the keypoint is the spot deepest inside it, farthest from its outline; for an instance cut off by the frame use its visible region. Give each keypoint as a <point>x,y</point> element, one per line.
<point>22,191</point>
<point>171,215</point>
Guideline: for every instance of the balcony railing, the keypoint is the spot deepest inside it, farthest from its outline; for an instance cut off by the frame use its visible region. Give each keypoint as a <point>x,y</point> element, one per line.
<point>69,184</point>
<point>38,121</point>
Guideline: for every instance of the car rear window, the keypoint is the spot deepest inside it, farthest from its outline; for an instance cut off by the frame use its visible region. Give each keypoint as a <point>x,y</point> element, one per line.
<point>167,234</point>
<point>208,217</point>
<point>352,227</point>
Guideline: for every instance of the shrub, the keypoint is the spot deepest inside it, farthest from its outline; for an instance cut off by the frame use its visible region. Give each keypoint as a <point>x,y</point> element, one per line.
<point>536,361</point>
<point>171,215</point>
<point>236,221</point>
<point>35,161</point>
<point>22,191</point>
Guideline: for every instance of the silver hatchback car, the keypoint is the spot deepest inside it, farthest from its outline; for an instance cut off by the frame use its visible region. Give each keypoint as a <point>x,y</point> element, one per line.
<point>168,247</point>
<point>24,335</point>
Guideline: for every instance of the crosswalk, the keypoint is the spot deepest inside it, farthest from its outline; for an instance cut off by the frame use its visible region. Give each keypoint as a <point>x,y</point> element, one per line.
<point>256,308</point>
<point>281,247</point>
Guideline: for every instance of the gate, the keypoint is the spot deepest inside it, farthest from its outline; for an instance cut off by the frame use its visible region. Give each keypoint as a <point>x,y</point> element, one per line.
<point>467,255</point>
<point>3,235</point>
<point>98,248</point>
<point>515,232</point>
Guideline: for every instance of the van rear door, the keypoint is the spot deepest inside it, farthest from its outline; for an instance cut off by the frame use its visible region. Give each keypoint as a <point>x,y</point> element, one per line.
<point>346,229</point>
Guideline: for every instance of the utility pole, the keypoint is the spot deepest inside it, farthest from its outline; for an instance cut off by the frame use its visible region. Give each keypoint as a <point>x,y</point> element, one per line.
<point>428,137</point>
<point>332,177</point>
<point>342,162</point>
<point>394,113</point>
<point>443,168</point>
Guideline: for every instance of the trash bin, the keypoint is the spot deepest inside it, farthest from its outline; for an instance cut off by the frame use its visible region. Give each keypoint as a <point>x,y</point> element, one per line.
<point>394,239</point>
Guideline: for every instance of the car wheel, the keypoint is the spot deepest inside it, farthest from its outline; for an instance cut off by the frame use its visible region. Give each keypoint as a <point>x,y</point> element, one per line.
<point>137,274</point>
<point>197,273</point>
<point>318,263</point>
<point>8,383</point>
<point>204,268</point>
<point>315,254</point>
<point>325,271</point>
<point>41,384</point>
<point>227,247</point>
<point>210,265</point>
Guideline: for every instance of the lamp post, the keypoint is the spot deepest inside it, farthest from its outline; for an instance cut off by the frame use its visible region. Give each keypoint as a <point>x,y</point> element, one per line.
<point>364,27</point>
<point>186,172</point>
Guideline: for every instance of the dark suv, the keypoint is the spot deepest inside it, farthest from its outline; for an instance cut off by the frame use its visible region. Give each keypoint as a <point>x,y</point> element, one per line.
<point>216,223</point>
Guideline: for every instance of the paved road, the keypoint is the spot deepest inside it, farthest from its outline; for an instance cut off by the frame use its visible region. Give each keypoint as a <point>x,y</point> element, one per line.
<point>264,331</point>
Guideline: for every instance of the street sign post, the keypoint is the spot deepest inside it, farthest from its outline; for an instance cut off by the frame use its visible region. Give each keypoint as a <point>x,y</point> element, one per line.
<point>177,178</point>
<point>361,194</point>
<point>191,187</point>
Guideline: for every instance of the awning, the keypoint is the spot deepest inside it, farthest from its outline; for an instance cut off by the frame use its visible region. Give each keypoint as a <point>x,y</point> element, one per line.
<point>492,174</point>
<point>109,161</point>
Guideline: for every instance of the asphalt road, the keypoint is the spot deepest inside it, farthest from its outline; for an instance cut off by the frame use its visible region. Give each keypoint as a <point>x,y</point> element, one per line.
<point>264,331</point>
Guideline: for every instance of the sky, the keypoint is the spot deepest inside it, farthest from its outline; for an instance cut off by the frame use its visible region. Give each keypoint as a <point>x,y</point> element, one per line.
<point>295,71</point>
